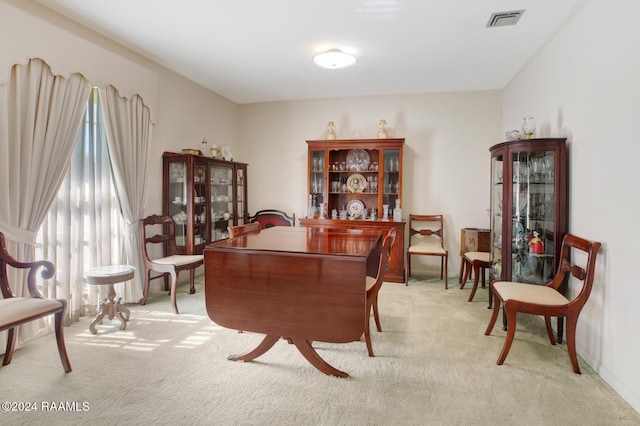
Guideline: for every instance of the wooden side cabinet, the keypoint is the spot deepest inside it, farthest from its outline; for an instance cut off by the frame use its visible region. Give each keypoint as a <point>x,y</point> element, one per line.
<point>474,239</point>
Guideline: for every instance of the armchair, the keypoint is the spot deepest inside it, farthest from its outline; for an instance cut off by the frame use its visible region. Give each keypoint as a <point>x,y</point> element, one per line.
<point>15,311</point>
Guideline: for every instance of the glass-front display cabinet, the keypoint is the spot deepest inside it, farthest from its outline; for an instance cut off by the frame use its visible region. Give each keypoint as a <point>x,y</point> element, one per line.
<point>528,209</point>
<point>204,196</point>
<point>357,183</point>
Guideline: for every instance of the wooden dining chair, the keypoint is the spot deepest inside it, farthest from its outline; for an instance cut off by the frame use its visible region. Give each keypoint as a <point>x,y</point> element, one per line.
<point>247,228</point>
<point>373,287</point>
<point>160,231</point>
<point>426,238</point>
<point>15,311</point>
<point>271,217</point>
<point>546,300</point>
<point>478,262</point>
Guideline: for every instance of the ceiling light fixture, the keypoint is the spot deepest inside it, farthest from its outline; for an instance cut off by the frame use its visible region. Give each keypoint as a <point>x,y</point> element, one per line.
<point>334,59</point>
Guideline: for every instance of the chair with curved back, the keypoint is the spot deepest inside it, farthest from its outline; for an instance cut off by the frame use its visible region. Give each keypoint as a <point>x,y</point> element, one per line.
<point>546,300</point>
<point>373,287</point>
<point>271,217</point>
<point>171,263</point>
<point>15,311</point>
<point>426,238</point>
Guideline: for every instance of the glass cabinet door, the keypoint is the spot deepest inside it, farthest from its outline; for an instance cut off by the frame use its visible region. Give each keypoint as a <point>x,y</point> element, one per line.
<point>177,190</point>
<point>496,213</point>
<point>391,181</point>
<point>200,213</point>
<point>533,227</point>
<point>241,204</point>
<point>316,201</point>
<point>221,199</point>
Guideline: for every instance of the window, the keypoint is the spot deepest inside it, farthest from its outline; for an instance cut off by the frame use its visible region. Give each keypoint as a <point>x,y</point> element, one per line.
<point>84,227</point>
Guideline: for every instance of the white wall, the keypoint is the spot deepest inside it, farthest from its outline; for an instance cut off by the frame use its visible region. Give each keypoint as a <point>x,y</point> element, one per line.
<point>446,155</point>
<point>585,84</point>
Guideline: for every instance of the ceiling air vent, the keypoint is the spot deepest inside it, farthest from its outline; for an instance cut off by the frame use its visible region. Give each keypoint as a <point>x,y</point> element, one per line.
<point>502,19</point>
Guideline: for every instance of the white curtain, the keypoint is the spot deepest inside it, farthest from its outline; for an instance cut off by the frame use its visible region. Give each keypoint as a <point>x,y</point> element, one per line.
<point>40,116</point>
<point>128,126</point>
<point>84,227</point>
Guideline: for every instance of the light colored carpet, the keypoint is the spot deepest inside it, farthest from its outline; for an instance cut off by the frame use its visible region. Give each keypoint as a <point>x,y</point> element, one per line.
<point>433,366</point>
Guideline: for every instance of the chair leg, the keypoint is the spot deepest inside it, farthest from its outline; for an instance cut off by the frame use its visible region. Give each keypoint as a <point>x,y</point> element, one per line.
<point>461,272</point>
<point>62,349</point>
<point>408,269</point>
<point>466,274</point>
<point>511,331</point>
<point>376,317</point>
<point>367,332</point>
<point>174,284</point>
<point>572,322</point>
<point>547,323</point>
<point>192,277</point>
<point>476,273</point>
<point>494,316</point>
<point>11,345</point>
<point>446,272</point>
<point>145,289</point>
<point>166,282</point>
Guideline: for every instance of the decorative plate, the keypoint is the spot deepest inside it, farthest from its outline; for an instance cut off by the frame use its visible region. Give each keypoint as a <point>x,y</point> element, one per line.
<point>358,160</point>
<point>355,208</point>
<point>356,183</point>
<point>226,152</point>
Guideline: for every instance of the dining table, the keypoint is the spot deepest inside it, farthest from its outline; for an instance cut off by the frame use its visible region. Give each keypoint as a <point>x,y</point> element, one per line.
<point>301,284</point>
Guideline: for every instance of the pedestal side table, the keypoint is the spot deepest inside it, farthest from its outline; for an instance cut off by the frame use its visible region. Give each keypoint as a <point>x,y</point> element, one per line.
<point>109,307</point>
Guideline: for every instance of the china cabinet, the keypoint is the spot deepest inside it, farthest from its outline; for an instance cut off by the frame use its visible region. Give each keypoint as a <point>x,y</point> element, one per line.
<point>204,196</point>
<point>357,183</point>
<point>528,209</point>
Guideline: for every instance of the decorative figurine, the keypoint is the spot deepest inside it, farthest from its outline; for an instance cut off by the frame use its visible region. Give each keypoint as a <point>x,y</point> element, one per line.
<point>331,131</point>
<point>382,129</point>
<point>536,246</point>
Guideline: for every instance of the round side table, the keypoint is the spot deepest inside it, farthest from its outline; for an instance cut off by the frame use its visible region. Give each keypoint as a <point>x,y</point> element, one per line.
<point>109,307</point>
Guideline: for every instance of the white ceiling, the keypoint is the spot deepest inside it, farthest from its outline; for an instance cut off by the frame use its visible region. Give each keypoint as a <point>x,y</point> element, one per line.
<point>261,50</point>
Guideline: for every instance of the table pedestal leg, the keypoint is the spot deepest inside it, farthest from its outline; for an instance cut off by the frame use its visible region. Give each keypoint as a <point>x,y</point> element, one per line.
<point>305,348</point>
<point>266,344</point>
<point>110,308</point>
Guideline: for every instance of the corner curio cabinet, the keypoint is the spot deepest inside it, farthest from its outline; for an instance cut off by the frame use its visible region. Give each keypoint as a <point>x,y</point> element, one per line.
<point>204,196</point>
<point>528,209</point>
<point>357,183</point>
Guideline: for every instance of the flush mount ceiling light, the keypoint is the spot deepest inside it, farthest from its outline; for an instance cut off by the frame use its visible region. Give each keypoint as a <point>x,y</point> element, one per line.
<point>334,59</point>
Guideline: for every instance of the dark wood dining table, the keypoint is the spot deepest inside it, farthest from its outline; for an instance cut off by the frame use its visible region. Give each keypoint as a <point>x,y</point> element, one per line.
<point>300,284</point>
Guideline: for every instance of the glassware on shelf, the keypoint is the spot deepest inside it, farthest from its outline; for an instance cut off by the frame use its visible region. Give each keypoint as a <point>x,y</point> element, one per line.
<point>385,212</point>
<point>397,212</point>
